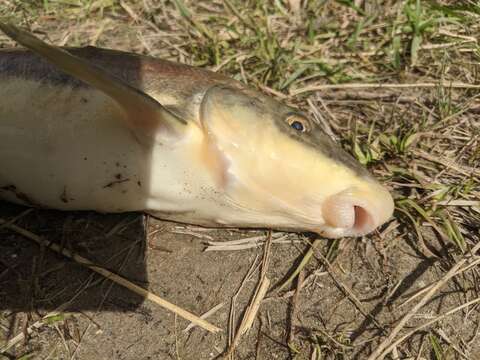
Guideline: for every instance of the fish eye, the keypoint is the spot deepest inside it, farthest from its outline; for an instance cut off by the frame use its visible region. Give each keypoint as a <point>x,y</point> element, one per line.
<point>298,123</point>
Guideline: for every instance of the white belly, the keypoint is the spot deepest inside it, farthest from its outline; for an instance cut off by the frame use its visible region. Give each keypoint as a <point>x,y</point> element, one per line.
<point>66,149</point>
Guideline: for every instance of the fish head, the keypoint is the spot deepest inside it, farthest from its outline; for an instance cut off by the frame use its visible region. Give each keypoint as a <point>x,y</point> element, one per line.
<point>280,169</point>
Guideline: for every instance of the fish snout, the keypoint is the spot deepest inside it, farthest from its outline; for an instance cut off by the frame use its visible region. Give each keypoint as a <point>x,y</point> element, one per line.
<point>355,213</point>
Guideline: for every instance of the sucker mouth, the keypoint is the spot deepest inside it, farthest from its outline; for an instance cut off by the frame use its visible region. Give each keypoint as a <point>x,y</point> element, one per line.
<point>362,219</point>
<point>352,213</point>
<point>351,219</point>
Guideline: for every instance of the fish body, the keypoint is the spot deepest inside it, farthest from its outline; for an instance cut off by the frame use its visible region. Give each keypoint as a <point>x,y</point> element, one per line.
<point>109,131</point>
<point>64,146</point>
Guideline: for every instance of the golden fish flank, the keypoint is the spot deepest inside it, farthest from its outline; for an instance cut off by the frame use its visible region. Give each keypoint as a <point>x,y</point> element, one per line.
<point>96,129</point>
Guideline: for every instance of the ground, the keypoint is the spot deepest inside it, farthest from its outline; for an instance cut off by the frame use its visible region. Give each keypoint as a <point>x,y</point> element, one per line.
<point>418,133</point>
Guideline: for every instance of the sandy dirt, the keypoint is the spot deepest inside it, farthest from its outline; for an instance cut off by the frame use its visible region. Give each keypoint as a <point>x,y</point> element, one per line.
<point>346,311</point>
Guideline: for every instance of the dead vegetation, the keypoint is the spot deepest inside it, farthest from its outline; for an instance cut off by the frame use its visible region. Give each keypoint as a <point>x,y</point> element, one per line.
<point>396,82</point>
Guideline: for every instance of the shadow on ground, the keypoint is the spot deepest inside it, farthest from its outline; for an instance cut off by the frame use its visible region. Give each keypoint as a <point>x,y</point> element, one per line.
<point>34,278</point>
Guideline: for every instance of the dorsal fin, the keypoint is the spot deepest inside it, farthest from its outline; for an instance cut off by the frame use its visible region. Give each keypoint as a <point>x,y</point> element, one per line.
<point>143,112</point>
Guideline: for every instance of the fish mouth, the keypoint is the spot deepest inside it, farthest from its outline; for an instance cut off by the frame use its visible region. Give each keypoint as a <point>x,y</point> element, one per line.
<point>354,213</point>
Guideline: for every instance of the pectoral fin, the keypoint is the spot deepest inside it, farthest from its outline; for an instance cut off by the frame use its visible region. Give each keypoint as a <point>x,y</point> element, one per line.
<point>144,113</point>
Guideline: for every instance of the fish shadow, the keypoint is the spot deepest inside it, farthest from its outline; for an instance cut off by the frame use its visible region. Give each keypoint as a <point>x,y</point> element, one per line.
<point>34,278</point>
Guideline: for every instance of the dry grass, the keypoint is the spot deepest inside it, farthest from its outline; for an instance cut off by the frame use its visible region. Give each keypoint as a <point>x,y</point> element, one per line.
<point>419,134</point>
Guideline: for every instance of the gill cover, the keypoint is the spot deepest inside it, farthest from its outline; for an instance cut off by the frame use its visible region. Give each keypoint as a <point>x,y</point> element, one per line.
<point>144,113</point>
<point>242,126</point>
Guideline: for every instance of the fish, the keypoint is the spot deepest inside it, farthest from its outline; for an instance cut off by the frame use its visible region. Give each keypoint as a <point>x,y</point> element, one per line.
<point>103,130</point>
